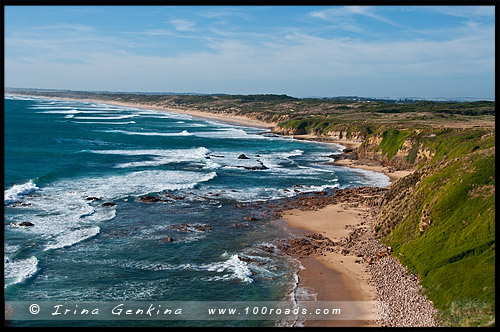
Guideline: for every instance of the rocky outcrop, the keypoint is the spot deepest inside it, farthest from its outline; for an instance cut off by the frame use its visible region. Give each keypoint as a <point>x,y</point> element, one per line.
<point>26,224</point>
<point>308,201</point>
<point>313,244</point>
<point>151,199</point>
<point>188,228</point>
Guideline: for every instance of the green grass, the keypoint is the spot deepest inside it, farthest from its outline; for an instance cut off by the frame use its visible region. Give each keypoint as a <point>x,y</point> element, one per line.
<point>471,313</point>
<point>455,255</point>
<point>392,141</point>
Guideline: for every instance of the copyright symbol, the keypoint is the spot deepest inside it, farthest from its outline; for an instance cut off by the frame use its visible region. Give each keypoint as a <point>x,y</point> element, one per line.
<point>34,309</point>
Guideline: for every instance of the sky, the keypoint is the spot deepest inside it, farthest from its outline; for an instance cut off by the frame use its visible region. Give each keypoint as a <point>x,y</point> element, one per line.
<point>301,51</point>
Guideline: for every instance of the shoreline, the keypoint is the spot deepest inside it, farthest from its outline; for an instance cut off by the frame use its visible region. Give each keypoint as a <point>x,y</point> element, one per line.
<point>320,269</point>
<point>331,276</point>
<point>341,239</point>
<point>370,165</point>
<point>232,119</point>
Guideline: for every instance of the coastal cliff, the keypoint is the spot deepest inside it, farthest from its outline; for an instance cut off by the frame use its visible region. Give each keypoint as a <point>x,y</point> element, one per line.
<point>440,219</point>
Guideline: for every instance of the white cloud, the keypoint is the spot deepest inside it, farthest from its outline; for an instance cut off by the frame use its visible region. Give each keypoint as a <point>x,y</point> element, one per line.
<point>298,57</point>
<point>183,25</point>
<point>239,61</point>
<point>345,13</point>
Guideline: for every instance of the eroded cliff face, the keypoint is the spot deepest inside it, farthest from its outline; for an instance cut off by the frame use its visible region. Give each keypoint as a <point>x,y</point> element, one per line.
<point>388,146</point>
<point>410,154</point>
<point>346,135</point>
<point>289,131</point>
<point>337,135</point>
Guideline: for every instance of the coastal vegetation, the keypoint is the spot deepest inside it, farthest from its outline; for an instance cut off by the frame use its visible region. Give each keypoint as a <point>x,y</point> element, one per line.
<point>439,220</point>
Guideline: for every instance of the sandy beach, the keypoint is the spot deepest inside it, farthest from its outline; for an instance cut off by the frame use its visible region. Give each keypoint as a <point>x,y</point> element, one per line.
<point>362,264</point>
<point>323,273</point>
<point>238,120</point>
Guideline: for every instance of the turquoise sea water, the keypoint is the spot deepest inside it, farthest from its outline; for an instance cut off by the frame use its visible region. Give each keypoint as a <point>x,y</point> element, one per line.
<point>58,153</point>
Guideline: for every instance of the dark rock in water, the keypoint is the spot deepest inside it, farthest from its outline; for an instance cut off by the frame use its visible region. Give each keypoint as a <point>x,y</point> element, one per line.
<point>26,224</point>
<point>170,240</point>
<point>251,219</point>
<point>91,198</point>
<point>150,199</point>
<point>242,156</point>
<point>254,168</point>
<point>21,204</point>
<point>108,204</point>
<point>185,227</point>
<point>250,260</point>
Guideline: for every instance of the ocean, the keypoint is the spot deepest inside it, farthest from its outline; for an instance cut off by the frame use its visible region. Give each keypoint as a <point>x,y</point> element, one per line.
<point>203,238</point>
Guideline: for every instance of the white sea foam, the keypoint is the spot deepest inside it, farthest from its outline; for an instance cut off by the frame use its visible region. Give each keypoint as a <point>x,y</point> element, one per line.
<point>70,111</point>
<point>17,271</point>
<point>231,160</point>
<point>164,115</point>
<point>369,178</point>
<point>232,268</point>
<point>193,125</point>
<point>73,237</point>
<point>137,183</point>
<point>120,117</point>
<point>183,133</point>
<point>264,193</point>
<point>162,157</point>
<point>227,133</point>
<point>50,107</point>
<point>194,153</point>
<point>237,269</point>
<point>274,160</point>
<point>99,215</point>
<point>63,217</point>
<point>17,97</point>
<point>16,192</point>
<point>10,249</point>
<point>104,122</point>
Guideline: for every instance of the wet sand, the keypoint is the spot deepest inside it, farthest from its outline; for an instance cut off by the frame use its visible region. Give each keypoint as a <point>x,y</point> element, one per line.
<point>332,276</point>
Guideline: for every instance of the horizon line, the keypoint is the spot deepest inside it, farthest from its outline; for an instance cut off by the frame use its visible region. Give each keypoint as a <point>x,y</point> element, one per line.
<point>393,98</point>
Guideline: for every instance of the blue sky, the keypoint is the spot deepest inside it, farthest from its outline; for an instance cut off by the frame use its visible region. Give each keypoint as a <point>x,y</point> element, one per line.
<point>370,51</point>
